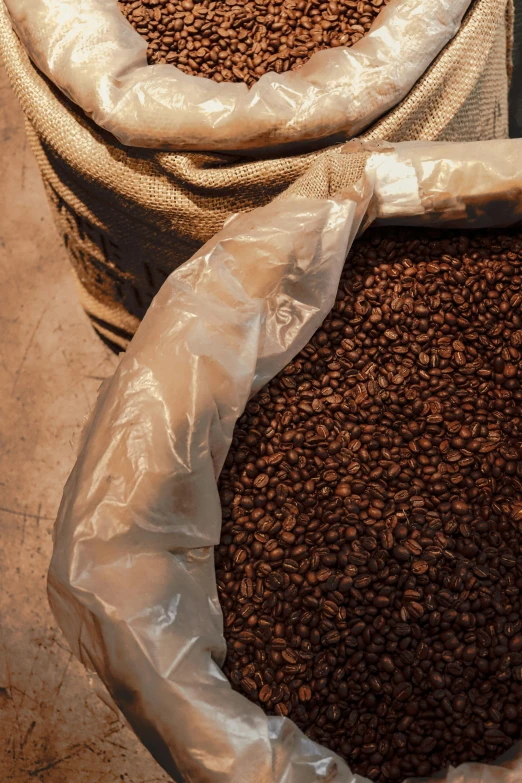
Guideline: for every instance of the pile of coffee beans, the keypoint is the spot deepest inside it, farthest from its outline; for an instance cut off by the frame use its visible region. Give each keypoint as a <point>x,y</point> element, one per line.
<point>240,40</point>
<point>370,563</point>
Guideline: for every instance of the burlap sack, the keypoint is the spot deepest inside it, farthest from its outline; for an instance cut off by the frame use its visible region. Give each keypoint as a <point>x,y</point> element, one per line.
<point>132,581</point>
<point>130,216</point>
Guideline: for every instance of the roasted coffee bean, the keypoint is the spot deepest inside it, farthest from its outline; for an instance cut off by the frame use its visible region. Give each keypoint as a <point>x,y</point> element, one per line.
<point>370,579</point>
<point>265,694</point>
<point>240,40</point>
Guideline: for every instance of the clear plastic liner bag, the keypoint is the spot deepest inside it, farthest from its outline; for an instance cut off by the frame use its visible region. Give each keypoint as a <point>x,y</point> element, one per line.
<point>426,184</point>
<point>93,54</point>
<point>132,580</point>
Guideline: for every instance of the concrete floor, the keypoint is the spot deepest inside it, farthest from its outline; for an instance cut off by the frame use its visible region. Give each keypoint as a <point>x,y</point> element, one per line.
<point>53,727</point>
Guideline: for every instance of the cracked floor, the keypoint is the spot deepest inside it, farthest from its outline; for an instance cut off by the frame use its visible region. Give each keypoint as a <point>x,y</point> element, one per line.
<point>53,727</point>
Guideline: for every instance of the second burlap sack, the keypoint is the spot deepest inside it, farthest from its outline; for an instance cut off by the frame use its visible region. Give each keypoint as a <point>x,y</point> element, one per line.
<point>130,216</point>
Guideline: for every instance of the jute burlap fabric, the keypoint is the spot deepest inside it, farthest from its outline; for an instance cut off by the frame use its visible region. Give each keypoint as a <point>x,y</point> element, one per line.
<point>130,216</point>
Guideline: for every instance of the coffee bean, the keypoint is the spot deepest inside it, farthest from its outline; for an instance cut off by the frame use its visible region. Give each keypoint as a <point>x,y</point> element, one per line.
<point>371,585</point>
<point>401,554</point>
<point>515,643</point>
<point>386,664</point>
<point>290,656</point>
<point>459,507</point>
<point>402,691</point>
<point>415,610</point>
<point>265,694</point>
<point>240,41</point>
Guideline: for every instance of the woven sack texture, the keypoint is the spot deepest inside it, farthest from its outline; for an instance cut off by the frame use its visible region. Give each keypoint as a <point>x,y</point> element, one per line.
<point>129,216</point>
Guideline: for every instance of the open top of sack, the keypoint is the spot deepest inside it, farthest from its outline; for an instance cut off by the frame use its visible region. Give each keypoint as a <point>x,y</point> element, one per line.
<point>93,54</point>
<point>132,581</point>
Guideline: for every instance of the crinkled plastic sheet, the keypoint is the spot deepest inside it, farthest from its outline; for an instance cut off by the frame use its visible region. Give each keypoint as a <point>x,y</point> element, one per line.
<point>422,183</point>
<point>93,54</point>
<point>132,580</point>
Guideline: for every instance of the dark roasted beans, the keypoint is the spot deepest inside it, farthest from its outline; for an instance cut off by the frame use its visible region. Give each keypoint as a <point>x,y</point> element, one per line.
<point>231,41</point>
<point>370,566</point>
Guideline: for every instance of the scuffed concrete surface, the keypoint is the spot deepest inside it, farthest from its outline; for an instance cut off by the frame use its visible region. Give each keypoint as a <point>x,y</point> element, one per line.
<point>53,728</point>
